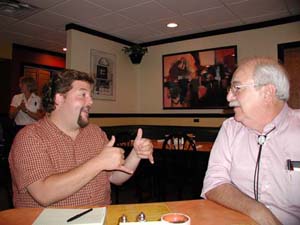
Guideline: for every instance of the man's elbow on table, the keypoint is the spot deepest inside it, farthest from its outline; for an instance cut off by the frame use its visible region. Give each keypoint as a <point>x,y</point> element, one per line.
<point>41,199</point>
<point>40,195</point>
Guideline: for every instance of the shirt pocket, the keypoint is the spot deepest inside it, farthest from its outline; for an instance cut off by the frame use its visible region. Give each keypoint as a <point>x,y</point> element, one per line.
<point>293,188</point>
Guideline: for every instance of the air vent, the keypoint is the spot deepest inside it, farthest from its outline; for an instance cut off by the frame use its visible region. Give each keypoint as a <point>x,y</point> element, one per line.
<point>16,9</point>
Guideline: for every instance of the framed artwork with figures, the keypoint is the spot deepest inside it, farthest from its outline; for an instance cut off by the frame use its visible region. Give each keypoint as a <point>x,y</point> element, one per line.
<point>103,69</point>
<point>198,79</point>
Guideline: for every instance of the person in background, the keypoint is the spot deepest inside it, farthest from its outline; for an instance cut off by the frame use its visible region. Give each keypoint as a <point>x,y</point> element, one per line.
<point>253,163</point>
<point>62,160</point>
<point>179,79</point>
<point>25,108</point>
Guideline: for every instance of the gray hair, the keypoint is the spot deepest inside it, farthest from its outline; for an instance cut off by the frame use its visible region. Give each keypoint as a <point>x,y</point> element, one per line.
<point>30,83</point>
<point>269,71</point>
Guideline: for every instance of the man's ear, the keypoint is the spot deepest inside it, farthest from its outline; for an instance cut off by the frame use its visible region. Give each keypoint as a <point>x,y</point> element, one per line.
<point>269,92</point>
<point>59,99</point>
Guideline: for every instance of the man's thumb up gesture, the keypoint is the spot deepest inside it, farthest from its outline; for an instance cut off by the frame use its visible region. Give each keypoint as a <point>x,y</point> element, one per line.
<point>143,146</point>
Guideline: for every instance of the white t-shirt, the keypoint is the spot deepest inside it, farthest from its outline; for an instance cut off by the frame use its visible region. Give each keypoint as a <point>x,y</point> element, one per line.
<point>33,104</point>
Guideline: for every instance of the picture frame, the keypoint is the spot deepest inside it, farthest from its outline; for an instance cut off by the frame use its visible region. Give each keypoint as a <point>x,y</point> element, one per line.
<point>103,70</point>
<point>198,79</point>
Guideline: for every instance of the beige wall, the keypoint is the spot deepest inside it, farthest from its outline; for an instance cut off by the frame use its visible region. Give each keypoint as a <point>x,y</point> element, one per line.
<point>79,45</point>
<point>139,87</point>
<point>203,122</point>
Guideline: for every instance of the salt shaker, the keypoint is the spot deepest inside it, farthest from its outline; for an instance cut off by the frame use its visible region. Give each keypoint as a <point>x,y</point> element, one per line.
<point>123,219</point>
<point>141,217</point>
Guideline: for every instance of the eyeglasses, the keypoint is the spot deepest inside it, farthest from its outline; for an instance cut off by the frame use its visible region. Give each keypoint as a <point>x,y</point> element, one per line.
<point>236,88</point>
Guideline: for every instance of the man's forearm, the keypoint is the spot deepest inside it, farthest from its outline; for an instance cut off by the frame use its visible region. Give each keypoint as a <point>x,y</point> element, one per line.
<point>60,186</point>
<point>34,115</point>
<point>229,196</point>
<point>119,177</point>
<point>13,111</point>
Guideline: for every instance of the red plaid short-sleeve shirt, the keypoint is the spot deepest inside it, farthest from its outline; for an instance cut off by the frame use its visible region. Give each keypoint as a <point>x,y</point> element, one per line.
<point>41,149</point>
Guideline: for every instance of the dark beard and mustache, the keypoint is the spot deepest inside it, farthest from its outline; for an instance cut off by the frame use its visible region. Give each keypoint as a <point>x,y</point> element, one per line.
<point>81,122</point>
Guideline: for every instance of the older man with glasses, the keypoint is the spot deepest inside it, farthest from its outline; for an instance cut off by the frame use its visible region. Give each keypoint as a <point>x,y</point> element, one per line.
<point>254,164</point>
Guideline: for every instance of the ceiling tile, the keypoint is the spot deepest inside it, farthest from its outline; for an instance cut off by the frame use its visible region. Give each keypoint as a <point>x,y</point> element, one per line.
<point>135,32</point>
<point>30,30</point>
<point>266,17</point>
<point>208,17</point>
<point>117,4</point>
<point>193,5</point>
<point>50,20</point>
<point>147,12</point>
<point>111,22</point>
<point>223,25</point>
<point>293,6</point>
<point>13,35</point>
<point>6,21</point>
<point>79,9</point>
<point>249,8</point>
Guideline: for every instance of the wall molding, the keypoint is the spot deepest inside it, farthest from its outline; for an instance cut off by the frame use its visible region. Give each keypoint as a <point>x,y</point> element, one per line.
<point>275,22</point>
<point>160,115</point>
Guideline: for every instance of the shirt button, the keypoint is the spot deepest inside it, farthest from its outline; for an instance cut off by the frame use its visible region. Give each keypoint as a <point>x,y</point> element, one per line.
<point>266,186</point>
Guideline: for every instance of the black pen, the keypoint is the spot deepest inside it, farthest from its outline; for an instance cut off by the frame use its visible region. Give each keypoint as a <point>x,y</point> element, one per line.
<point>79,215</point>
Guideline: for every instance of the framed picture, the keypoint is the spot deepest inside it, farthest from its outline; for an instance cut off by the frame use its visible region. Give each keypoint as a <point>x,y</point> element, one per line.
<point>198,79</point>
<point>103,69</point>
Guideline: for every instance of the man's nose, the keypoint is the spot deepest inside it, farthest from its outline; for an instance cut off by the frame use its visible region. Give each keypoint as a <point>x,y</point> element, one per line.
<point>90,100</point>
<point>230,96</point>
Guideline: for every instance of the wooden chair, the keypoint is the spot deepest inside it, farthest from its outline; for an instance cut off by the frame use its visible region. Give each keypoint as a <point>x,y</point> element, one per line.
<point>179,142</point>
<point>178,163</point>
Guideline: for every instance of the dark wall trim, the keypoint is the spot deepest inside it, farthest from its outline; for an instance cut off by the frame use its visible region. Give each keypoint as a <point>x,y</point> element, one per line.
<point>289,19</point>
<point>159,115</point>
<point>282,47</point>
<point>74,26</point>
<point>152,115</point>
<point>17,46</point>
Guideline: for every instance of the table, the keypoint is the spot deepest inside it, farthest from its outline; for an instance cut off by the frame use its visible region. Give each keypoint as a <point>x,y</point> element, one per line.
<point>202,212</point>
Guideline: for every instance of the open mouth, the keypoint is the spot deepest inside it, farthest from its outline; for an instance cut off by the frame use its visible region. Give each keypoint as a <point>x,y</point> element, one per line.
<point>85,112</point>
<point>234,104</point>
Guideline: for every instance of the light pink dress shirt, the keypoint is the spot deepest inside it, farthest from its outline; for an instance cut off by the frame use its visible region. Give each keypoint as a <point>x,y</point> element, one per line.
<point>233,159</point>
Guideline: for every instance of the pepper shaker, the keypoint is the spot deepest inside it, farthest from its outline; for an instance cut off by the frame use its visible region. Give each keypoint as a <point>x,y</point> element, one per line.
<point>123,219</point>
<point>141,217</point>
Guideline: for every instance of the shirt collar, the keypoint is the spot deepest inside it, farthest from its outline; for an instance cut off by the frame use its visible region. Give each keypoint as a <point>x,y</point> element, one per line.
<point>32,95</point>
<point>278,120</point>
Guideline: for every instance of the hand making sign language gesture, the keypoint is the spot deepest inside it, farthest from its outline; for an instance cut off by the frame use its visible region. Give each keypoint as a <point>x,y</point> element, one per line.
<point>124,168</point>
<point>143,147</point>
<point>114,158</point>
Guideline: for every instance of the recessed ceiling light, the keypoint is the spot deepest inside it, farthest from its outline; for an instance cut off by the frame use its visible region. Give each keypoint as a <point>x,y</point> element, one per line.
<point>172,25</point>
<point>65,49</point>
